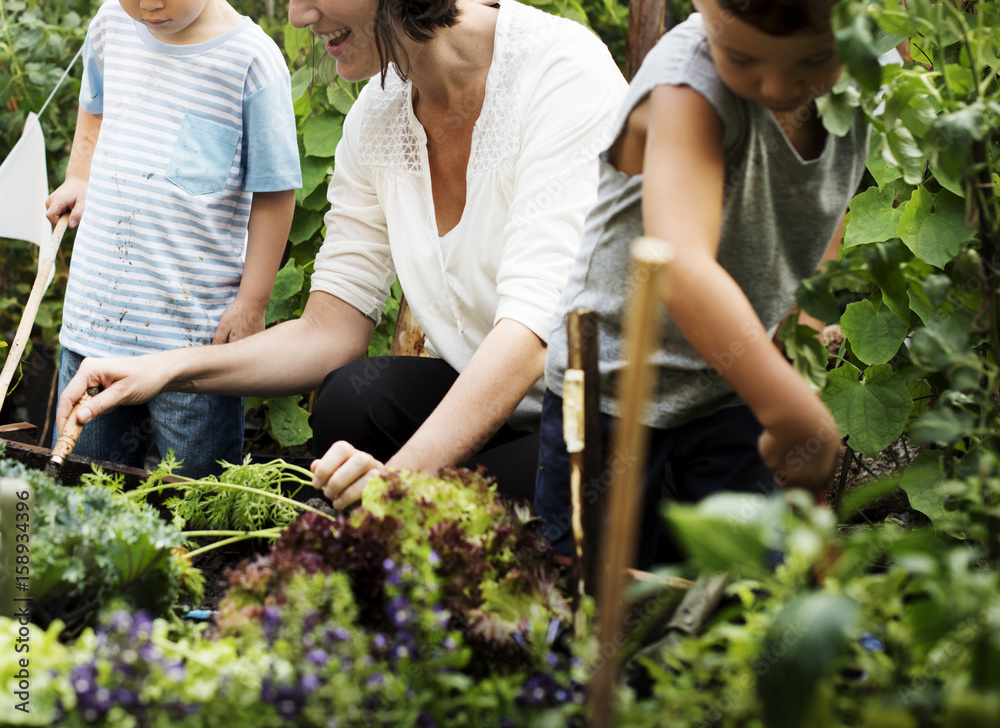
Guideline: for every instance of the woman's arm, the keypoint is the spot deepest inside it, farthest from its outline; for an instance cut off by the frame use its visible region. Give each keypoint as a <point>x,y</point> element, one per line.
<point>501,372</point>
<point>289,358</point>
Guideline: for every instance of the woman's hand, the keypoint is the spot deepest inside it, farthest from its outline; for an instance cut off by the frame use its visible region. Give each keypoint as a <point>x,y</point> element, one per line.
<point>343,473</point>
<point>124,381</point>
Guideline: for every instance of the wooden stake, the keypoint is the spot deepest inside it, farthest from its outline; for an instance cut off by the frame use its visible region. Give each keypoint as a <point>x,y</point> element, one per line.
<point>650,257</point>
<point>31,308</point>
<point>587,462</point>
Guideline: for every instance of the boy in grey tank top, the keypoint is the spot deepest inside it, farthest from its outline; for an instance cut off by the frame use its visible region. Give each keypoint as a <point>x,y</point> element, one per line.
<point>718,150</point>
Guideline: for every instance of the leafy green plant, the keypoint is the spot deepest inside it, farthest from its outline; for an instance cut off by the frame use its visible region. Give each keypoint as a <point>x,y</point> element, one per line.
<point>92,547</point>
<point>920,255</point>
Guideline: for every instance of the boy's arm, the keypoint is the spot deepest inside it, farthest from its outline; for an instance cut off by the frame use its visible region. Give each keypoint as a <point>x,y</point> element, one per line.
<point>71,194</point>
<point>267,235</point>
<point>684,177</point>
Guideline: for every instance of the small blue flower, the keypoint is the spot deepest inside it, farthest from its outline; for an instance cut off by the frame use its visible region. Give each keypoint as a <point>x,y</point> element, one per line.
<point>380,641</point>
<point>433,559</point>
<point>871,643</point>
<point>388,564</point>
<point>400,613</point>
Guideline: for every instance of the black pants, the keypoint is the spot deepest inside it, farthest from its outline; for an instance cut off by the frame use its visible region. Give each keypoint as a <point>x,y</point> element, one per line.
<point>685,464</point>
<point>376,404</point>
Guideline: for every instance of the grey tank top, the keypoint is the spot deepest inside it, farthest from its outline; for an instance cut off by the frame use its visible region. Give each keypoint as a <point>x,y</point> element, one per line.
<point>779,214</point>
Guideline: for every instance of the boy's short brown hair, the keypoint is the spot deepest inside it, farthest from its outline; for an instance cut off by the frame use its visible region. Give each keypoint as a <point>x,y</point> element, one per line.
<point>782,17</point>
<point>419,20</point>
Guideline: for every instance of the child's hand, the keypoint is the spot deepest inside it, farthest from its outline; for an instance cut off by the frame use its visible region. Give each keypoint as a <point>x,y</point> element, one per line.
<point>69,196</point>
<point>238,322</point>
<point>803,454</point>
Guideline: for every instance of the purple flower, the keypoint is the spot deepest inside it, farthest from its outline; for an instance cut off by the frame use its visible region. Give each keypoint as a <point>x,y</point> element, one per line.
<point>309,682</point>
<point>380,641</point>
<point>538,689</point>
<point>552,659</point>
<point>425,721</point>
<point>376,679</point>
<point>388,564</point>
<point>270,622</point>
<point>318,657</point>
<point>433,559</point>
<point>400,613</point>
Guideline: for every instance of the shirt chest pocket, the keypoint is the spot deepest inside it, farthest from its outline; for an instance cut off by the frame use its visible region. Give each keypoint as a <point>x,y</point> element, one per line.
<point>203,157</point>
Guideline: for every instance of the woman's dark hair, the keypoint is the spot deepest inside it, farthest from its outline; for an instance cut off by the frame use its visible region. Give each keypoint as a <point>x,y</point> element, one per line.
<point>782,17</point>
<point>419,20</point>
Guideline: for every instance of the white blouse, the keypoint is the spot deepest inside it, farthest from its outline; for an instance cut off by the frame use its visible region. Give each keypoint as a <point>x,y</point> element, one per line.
<point>552,94</point>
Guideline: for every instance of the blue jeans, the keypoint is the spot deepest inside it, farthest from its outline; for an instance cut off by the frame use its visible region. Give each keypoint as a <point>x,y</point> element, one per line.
<point>200,428</point>
<point>685,464</point>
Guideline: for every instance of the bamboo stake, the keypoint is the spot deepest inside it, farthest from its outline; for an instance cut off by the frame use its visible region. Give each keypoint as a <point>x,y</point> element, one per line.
<point>31,308</point>
<point>587,461</point>
<point>650,258</point>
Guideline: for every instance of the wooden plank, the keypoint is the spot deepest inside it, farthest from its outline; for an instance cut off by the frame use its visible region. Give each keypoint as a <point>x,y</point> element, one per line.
<point>23,432</point>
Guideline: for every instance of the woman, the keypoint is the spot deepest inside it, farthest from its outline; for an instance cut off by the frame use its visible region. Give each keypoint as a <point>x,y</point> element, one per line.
<point>465,169</point>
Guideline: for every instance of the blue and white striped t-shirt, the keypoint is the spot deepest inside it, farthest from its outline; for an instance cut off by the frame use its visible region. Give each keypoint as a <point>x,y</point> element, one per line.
<point>188,133</point>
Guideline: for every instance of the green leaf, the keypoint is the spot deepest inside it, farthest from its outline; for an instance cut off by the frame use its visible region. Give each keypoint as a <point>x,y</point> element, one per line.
<point>949,145</point>
<point>881,171</point>
<point>300,82</point>
<point>341,95</point>
<point>305,224</point>
<point>816,298</point>
<point>922,481</point>
<point>315,171</point>
<point>805,640</point>
<point>839,107</point>
<point>289,422</point>
<point>902,150</point>
<point>943,426</point>
<point>875,336</point>
<point>293,42</point>
<point>959,79</point>
<point>938,346</point>
<point>871,412</point>
<point>288,282</point>
<point>807,353</point>
<point>856,47</point>
<point>934,227</point>
<point>886,262</point>
<point>320,135</point>
<point>873,218</point>
<point>739,524</point>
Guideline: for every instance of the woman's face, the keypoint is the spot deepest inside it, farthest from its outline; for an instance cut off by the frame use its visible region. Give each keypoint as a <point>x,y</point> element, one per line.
<point>348,28</point>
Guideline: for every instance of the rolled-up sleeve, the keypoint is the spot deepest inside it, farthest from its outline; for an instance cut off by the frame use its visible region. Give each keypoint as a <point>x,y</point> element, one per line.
<point>571,100</point>
<point>354,262</point>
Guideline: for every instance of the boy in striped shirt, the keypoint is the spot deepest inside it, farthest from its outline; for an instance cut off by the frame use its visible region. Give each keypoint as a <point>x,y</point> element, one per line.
<point>185,155</point>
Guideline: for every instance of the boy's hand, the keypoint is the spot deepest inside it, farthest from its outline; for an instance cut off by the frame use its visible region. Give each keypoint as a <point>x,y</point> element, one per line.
<point>238,322</point>
<point>803,455</point>
<point>68,197</point>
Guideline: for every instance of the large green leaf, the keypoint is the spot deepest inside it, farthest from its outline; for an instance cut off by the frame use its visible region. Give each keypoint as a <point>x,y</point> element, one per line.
<point>802,647</point>
<point>320,135</point>
<point>875,336</point>
<point>873,218</point>
<point>289,422</point>
<point>839,107</point>
<point>341,95</point>
<point>871,411</point>
<point>933,227</point>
